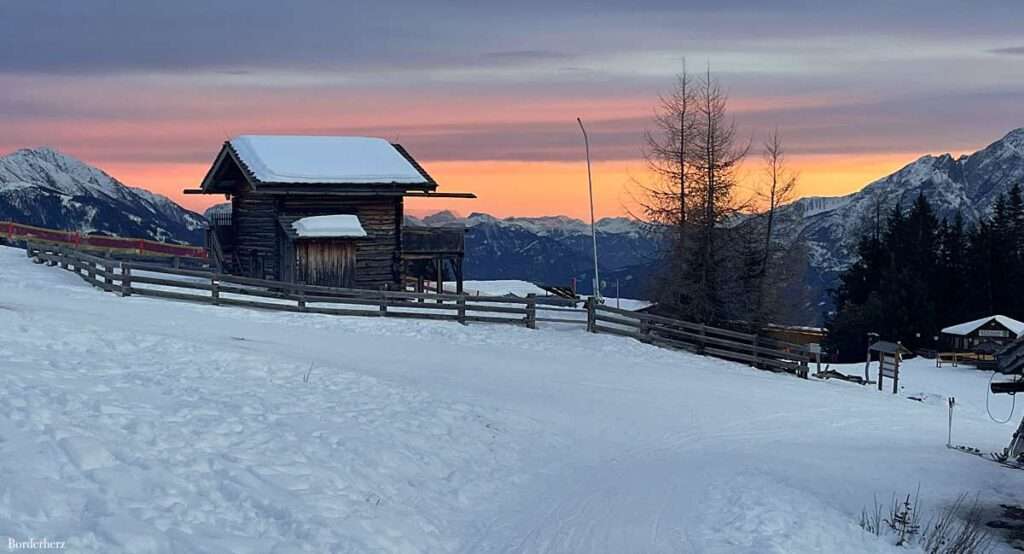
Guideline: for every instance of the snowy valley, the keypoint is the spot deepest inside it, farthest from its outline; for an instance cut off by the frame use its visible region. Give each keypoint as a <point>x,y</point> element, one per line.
<point>149,426</point>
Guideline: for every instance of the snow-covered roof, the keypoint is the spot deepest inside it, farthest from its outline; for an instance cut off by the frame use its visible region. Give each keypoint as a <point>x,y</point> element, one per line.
<point>1015,327</point>
<point>329,226</point>
<point>324,159</point>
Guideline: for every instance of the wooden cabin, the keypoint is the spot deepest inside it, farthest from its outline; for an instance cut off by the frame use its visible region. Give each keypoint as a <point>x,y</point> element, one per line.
<point>320,210</point>
<point>987,333</point>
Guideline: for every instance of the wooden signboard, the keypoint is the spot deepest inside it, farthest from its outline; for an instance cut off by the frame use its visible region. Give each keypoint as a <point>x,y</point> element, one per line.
<point>889,366</point>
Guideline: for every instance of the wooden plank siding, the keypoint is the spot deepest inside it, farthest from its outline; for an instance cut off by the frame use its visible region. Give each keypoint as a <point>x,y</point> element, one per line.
<point>376,255</point>
<point>264,252</point>
<point>254,219</point>
<point>326,262</point>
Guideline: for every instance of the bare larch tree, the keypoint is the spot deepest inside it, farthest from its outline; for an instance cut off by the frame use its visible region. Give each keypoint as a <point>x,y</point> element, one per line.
<point>716,167</point>
<point>778,188</point>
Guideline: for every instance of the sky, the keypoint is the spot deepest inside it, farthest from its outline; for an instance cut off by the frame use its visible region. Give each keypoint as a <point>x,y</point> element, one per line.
<point>485,95</point>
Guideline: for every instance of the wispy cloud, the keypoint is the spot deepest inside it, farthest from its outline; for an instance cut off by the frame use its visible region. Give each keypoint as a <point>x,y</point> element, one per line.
<point>1011,51</point>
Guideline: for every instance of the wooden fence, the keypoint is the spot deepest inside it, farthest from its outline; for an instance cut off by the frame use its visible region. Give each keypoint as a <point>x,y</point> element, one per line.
<point>17,232</point>
<point>129,278</point>
<point>757,350</point>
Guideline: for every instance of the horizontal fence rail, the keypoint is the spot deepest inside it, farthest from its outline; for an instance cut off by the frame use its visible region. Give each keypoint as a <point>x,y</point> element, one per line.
<point>757,350</point>
<point>129,278</point>
<point>29,233</point>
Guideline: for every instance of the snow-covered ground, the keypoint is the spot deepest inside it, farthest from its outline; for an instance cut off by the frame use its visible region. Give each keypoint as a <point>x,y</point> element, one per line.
<point>143,425</point>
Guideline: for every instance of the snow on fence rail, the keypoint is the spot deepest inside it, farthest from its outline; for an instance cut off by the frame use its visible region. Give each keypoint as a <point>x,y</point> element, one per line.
<point>29,233</point>
<point>759,351</point>
<point>146,279</point>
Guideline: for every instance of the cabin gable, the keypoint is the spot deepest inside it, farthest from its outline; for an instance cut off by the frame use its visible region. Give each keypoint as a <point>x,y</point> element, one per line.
<point>273,181</point>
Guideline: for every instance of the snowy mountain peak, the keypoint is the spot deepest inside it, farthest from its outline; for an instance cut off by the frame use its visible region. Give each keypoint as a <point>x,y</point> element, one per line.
<point>50,168</point>
<point>541,226</point>
<point>43,186</point>
<point>828,228</point>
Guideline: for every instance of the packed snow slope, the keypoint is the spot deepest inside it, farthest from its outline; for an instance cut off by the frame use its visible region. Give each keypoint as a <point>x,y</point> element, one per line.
<point>148,426</point>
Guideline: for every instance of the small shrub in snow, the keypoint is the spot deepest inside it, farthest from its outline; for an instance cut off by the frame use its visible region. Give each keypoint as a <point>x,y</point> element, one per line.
<point>872,521</point>
<point>950,533</point>
<point>954,531</point>
<point>902,520</point>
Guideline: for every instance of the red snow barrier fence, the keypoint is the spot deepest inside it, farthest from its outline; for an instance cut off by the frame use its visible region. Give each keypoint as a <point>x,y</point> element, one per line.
<point>29,233</point>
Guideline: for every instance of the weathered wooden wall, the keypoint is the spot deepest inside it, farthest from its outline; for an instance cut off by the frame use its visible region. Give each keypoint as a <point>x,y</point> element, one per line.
<point>260,241</point>
<point>377,262</point>
<point>254,219</point>
<point>326,262</point>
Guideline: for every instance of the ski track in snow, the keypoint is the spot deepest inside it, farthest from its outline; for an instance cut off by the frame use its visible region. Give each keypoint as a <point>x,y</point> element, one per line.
<point>141,425</point>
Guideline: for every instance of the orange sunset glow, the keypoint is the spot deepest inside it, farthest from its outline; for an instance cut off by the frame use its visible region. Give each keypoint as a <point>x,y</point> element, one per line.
<point>541,188</point>
<point>491,109</point>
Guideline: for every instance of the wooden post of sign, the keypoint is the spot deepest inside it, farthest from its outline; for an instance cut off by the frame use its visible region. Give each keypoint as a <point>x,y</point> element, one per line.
<point>881,366</point>
<point>896,367</point>
<point>867,365</point>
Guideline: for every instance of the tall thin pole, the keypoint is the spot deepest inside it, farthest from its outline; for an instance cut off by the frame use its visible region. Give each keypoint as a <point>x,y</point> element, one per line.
<point>593,226</point>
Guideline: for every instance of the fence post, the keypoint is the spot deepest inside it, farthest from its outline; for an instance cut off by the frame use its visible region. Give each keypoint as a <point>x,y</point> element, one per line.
<point>126,279</point>
<point>108,279</point>
<point>214,290</point>
<point>383,302</point>
<point>754,343</point>
<point>462,308</point>
<point>90,269</point>
<point>302,299</point>
<point>703,343</point>
<point>62,257</point>
<point>531,311</point>
<point>591,305</point>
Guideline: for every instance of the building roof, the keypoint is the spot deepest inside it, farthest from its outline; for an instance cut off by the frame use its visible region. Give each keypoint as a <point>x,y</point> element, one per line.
<point>325,159</point>
<point>1015,327</point>
<point>322,226</point>
<point>887,347</point>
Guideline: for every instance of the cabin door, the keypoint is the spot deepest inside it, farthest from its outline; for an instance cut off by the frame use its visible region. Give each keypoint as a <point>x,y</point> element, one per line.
<point>326,262</point>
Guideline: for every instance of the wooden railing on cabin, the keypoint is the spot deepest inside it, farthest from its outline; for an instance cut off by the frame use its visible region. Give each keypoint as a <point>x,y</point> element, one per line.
<point>29,233</point>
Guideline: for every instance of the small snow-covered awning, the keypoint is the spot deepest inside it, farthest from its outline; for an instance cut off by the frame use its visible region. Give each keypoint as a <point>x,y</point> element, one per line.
<point>328,226</point>
<point>963,329</point>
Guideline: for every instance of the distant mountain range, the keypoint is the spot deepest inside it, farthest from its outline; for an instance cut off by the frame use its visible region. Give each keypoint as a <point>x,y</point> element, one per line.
<point>43,187</point>
<point>554,250</point>
<point>828,227</point>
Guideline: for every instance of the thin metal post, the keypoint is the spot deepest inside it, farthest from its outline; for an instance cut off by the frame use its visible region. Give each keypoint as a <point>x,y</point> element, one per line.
<point>593,225</point>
